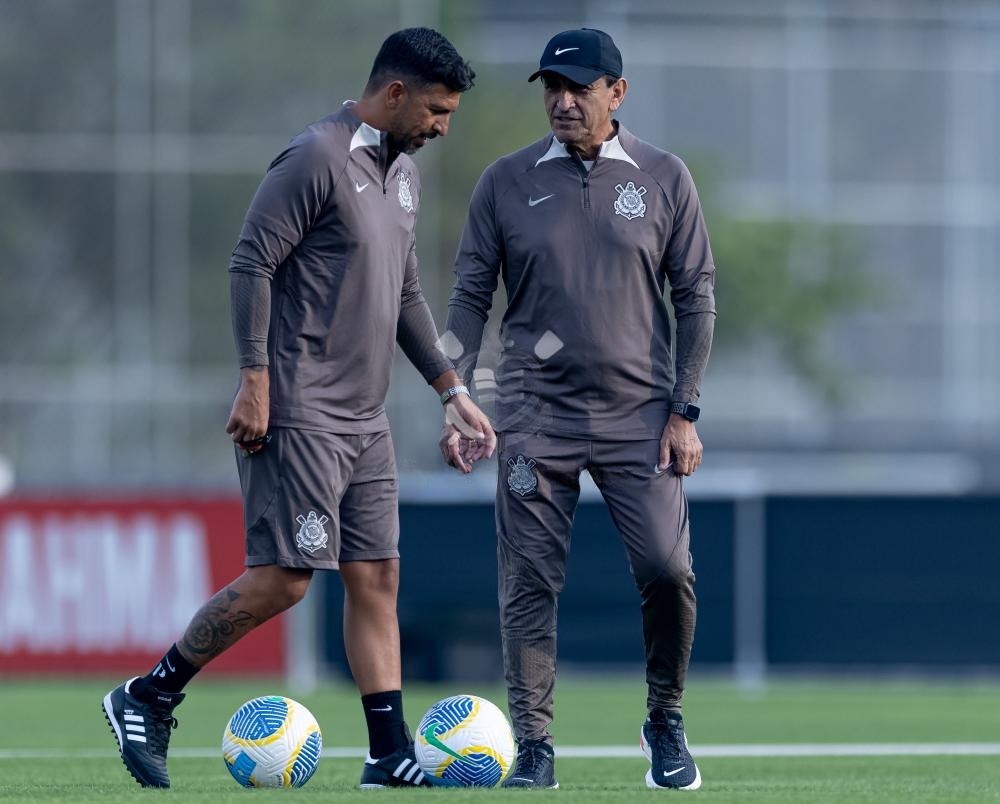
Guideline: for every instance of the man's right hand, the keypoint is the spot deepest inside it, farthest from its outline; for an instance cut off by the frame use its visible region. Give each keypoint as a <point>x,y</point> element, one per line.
<point>467,436</point>
<point>249,416</point>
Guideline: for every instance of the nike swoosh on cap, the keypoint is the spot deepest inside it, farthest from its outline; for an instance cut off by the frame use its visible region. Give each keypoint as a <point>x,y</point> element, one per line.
<point>560,51</point>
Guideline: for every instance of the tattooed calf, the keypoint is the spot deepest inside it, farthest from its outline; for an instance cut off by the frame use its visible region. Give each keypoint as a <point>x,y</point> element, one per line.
<point>217,625</point>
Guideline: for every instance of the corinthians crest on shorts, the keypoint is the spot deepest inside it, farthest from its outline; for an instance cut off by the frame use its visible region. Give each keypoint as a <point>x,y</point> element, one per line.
<point>521,479</point>
<point>405,196</point>
<point>630,204</point>
<point>312,535</point>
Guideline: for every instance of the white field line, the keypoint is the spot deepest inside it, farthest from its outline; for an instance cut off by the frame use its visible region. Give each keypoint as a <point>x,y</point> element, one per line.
<point>598,751</point>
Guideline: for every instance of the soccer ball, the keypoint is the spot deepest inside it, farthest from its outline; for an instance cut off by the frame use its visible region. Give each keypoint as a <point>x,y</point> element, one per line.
<point>272,742</point>
<point>464,741</point>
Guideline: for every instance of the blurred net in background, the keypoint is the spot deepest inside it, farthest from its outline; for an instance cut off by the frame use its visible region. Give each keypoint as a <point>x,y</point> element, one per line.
<point>845,151</point>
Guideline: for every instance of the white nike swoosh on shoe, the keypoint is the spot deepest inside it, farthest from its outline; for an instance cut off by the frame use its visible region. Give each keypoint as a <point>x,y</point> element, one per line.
<point>671,773</point>
<point>533,201</point>
<point>359,187</point>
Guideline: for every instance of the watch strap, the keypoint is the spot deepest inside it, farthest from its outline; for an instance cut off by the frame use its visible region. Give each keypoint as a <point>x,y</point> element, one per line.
<point>455,390</point>
<point>688,410</point>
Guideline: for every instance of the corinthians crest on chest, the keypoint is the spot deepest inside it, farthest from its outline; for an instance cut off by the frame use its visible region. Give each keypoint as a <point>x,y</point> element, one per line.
<point>630,204</point>
<point>405,181</point>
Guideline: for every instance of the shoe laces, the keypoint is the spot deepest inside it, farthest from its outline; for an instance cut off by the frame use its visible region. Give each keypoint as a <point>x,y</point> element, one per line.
<point>163,722</point>
<point>668,737</point>
<point>529,758</point>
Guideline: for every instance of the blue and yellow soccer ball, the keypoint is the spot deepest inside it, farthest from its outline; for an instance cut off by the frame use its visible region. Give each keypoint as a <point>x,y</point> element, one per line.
<point>272,742</point>
<point>465,741</point>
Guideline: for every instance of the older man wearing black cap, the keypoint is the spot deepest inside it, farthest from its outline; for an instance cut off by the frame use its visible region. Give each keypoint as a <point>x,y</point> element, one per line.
<point>588,227</point>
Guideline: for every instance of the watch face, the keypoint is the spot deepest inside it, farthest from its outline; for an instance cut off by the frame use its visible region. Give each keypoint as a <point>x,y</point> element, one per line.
<point>687,410</point>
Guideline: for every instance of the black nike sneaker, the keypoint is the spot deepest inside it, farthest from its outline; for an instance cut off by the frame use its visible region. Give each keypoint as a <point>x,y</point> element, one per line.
<point>143,731</point>
<point>399,769</point>
<point>535,766</point>
<point>664,743</point>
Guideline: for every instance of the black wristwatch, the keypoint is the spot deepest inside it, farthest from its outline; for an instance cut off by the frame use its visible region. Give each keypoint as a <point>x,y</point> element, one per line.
<point>686,409</point>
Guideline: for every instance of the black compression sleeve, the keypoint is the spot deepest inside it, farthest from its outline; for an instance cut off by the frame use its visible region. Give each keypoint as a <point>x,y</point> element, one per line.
<point>250,299</point>
<point>694,342</point>
<point>417,337</point>
<point>464,338</point>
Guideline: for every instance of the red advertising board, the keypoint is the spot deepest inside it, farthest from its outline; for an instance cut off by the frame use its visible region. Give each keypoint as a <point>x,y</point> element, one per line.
<point>108,585</point>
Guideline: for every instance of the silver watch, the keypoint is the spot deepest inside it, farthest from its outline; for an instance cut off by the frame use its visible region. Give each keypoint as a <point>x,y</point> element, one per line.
<point>455,390</point>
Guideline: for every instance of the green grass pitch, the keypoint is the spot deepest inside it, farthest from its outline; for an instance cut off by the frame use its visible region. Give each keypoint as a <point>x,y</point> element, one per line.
<point>38,716</point>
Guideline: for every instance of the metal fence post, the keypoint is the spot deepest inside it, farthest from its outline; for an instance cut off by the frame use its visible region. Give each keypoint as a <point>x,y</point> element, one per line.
<point>749,590</point>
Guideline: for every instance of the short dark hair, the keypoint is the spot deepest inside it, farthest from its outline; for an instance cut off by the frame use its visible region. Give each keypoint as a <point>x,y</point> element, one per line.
<point>422,55</point>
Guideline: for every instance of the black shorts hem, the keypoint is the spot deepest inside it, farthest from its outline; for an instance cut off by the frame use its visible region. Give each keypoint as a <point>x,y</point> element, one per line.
<point>367,555</point>
<point>292,563</point>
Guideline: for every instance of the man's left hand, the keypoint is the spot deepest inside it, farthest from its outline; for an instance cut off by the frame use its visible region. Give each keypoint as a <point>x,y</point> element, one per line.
<point>680,445</point>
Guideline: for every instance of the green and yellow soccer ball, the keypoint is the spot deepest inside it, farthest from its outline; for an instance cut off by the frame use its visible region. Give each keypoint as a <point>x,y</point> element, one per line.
<point>465,741</point>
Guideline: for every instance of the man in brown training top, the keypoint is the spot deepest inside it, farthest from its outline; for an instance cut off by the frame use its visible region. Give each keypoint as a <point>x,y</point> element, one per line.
<point>588,227</point>
<point>323,285</point>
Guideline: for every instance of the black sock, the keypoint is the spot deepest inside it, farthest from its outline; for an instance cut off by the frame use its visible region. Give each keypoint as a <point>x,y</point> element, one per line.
<point>171,675</point>
<point>384,715</point>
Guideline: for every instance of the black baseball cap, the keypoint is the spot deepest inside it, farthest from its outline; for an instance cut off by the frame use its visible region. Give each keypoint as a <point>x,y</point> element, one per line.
<point>582,55</point>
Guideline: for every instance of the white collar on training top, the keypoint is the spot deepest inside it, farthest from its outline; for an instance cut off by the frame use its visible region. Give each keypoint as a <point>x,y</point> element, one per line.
<point>610,149</point>
<point>365,136</point>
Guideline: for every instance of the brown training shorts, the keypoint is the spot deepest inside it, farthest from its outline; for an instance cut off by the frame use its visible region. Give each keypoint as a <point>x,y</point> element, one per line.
<point>312,499</point>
